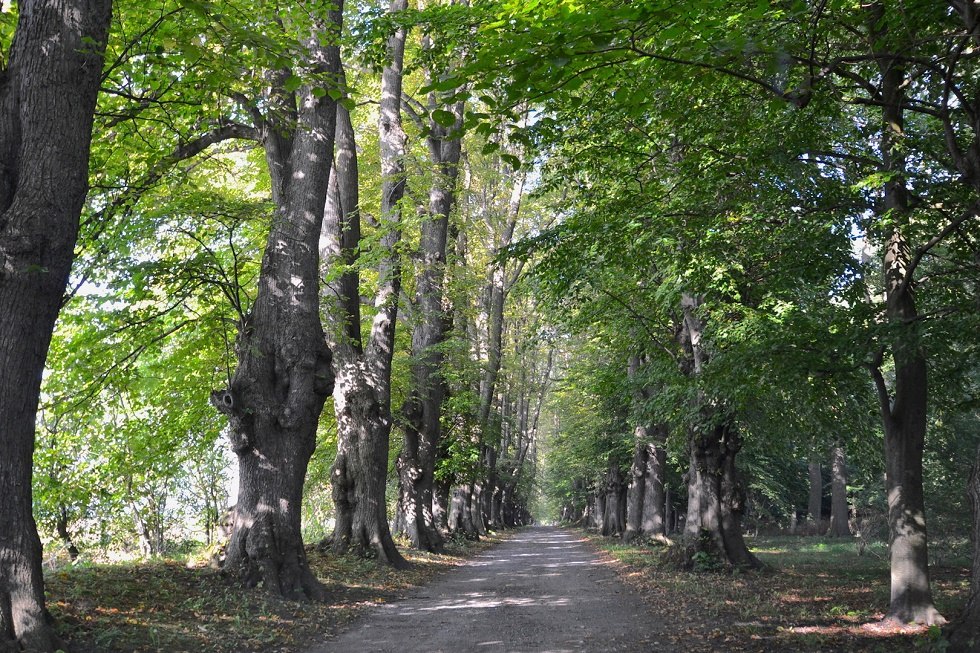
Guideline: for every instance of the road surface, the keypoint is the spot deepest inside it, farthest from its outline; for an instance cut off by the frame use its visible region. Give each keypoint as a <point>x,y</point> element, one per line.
<point>543,590</point>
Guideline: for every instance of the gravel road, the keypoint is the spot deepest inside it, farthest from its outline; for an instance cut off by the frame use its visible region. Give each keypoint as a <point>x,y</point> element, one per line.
<point>543,590</point>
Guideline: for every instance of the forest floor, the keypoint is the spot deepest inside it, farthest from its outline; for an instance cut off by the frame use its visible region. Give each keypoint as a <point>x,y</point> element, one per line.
<point>170,606</point>
<point>818,595</point>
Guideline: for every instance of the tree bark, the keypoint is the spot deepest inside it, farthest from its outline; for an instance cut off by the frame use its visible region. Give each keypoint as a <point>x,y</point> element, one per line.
<point>61,525</point>
<point>720,497</point>
<point>839,525</point>
<point>48,92</point>
<point>715,489</point>
<point>423,408</point>
<point>362,394</point>
<point>815,502</point>
<point>903,414</point>
<point>655,517</point>
<point>283,378</point>
<point>612,524</point>
<point>636,493</point>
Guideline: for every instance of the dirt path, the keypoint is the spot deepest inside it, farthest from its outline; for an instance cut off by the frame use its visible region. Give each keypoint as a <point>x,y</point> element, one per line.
<point>543,590</point>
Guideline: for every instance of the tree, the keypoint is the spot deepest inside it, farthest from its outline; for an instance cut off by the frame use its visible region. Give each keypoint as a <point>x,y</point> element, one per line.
<point>422,411</point>
<point>48,88</point>
<point>839,511</point>
<point>283,378</point>
<point>362,394</point>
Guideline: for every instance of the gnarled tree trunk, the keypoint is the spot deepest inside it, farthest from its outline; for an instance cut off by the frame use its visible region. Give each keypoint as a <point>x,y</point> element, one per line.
<point>719,494</point>
<point>716,496</point>
<point>48,91</point>
<point>612,522</point>
<point>283,378</point>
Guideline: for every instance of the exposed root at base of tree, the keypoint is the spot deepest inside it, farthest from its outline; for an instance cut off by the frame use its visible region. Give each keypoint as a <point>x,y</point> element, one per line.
<point>254,557</point>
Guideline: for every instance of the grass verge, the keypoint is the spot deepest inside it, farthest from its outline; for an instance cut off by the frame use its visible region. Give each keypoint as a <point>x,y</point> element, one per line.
<point>179,607</point>
<point>817,594</point>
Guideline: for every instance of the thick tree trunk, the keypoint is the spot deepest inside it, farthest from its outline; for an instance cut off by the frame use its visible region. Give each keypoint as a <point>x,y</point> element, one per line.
<point>636,493</point>
<point>815,502</point>
<point>362,396</point>
<point>359,471</point>
<point>692,519</point>
<point>654,522</point>
<point>964,634</point>
<point>47,100</point>
<point>416,471</point>
<point>720,497</point>
<point>476,508</point>
<point>612,522</point>
<point>839,525</point>
<point>440,506</point>
<point>911,595</point>
<point>598,499</point>
<point>283,378</point>
<point>904,415</point>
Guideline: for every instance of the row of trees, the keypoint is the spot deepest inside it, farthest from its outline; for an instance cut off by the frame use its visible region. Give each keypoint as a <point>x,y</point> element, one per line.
<point>256,220</point>
<point>274,190</point>
<point>771,227</point>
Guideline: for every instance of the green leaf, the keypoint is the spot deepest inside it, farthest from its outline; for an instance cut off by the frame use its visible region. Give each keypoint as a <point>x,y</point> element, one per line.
<point>444,118</point>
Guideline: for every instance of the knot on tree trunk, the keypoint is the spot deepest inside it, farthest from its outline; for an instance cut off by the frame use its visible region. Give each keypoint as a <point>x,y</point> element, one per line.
<point>239,420</point>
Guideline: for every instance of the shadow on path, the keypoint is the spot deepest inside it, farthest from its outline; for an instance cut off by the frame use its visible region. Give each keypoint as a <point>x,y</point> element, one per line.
<point>544,590</point>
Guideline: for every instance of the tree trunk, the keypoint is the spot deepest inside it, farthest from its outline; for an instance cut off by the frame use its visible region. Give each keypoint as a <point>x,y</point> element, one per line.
<point>612,524</point>
<point>904,415</point>
<point>964,633</point>
<point>440,506</point>
<point>61,525</point>
<point>423,409</point>
<point>839,526</point>
<point>816,496</point>
<point>359,471</point>
<point>47,100</point>
<point>636,493</point>
<point>362,396</point>
<point>599,508</point>
<point>655,516</point>
<point>692,518</point>
<point>720,496</point>
<point>283,378</point>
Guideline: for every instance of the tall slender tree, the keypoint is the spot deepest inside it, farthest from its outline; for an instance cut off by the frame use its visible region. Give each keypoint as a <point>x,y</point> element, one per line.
<point>362,395</point>
<point>423,408</point>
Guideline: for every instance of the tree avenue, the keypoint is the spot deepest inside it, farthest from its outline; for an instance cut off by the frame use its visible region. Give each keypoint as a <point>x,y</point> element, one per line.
<point>295,286</point>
